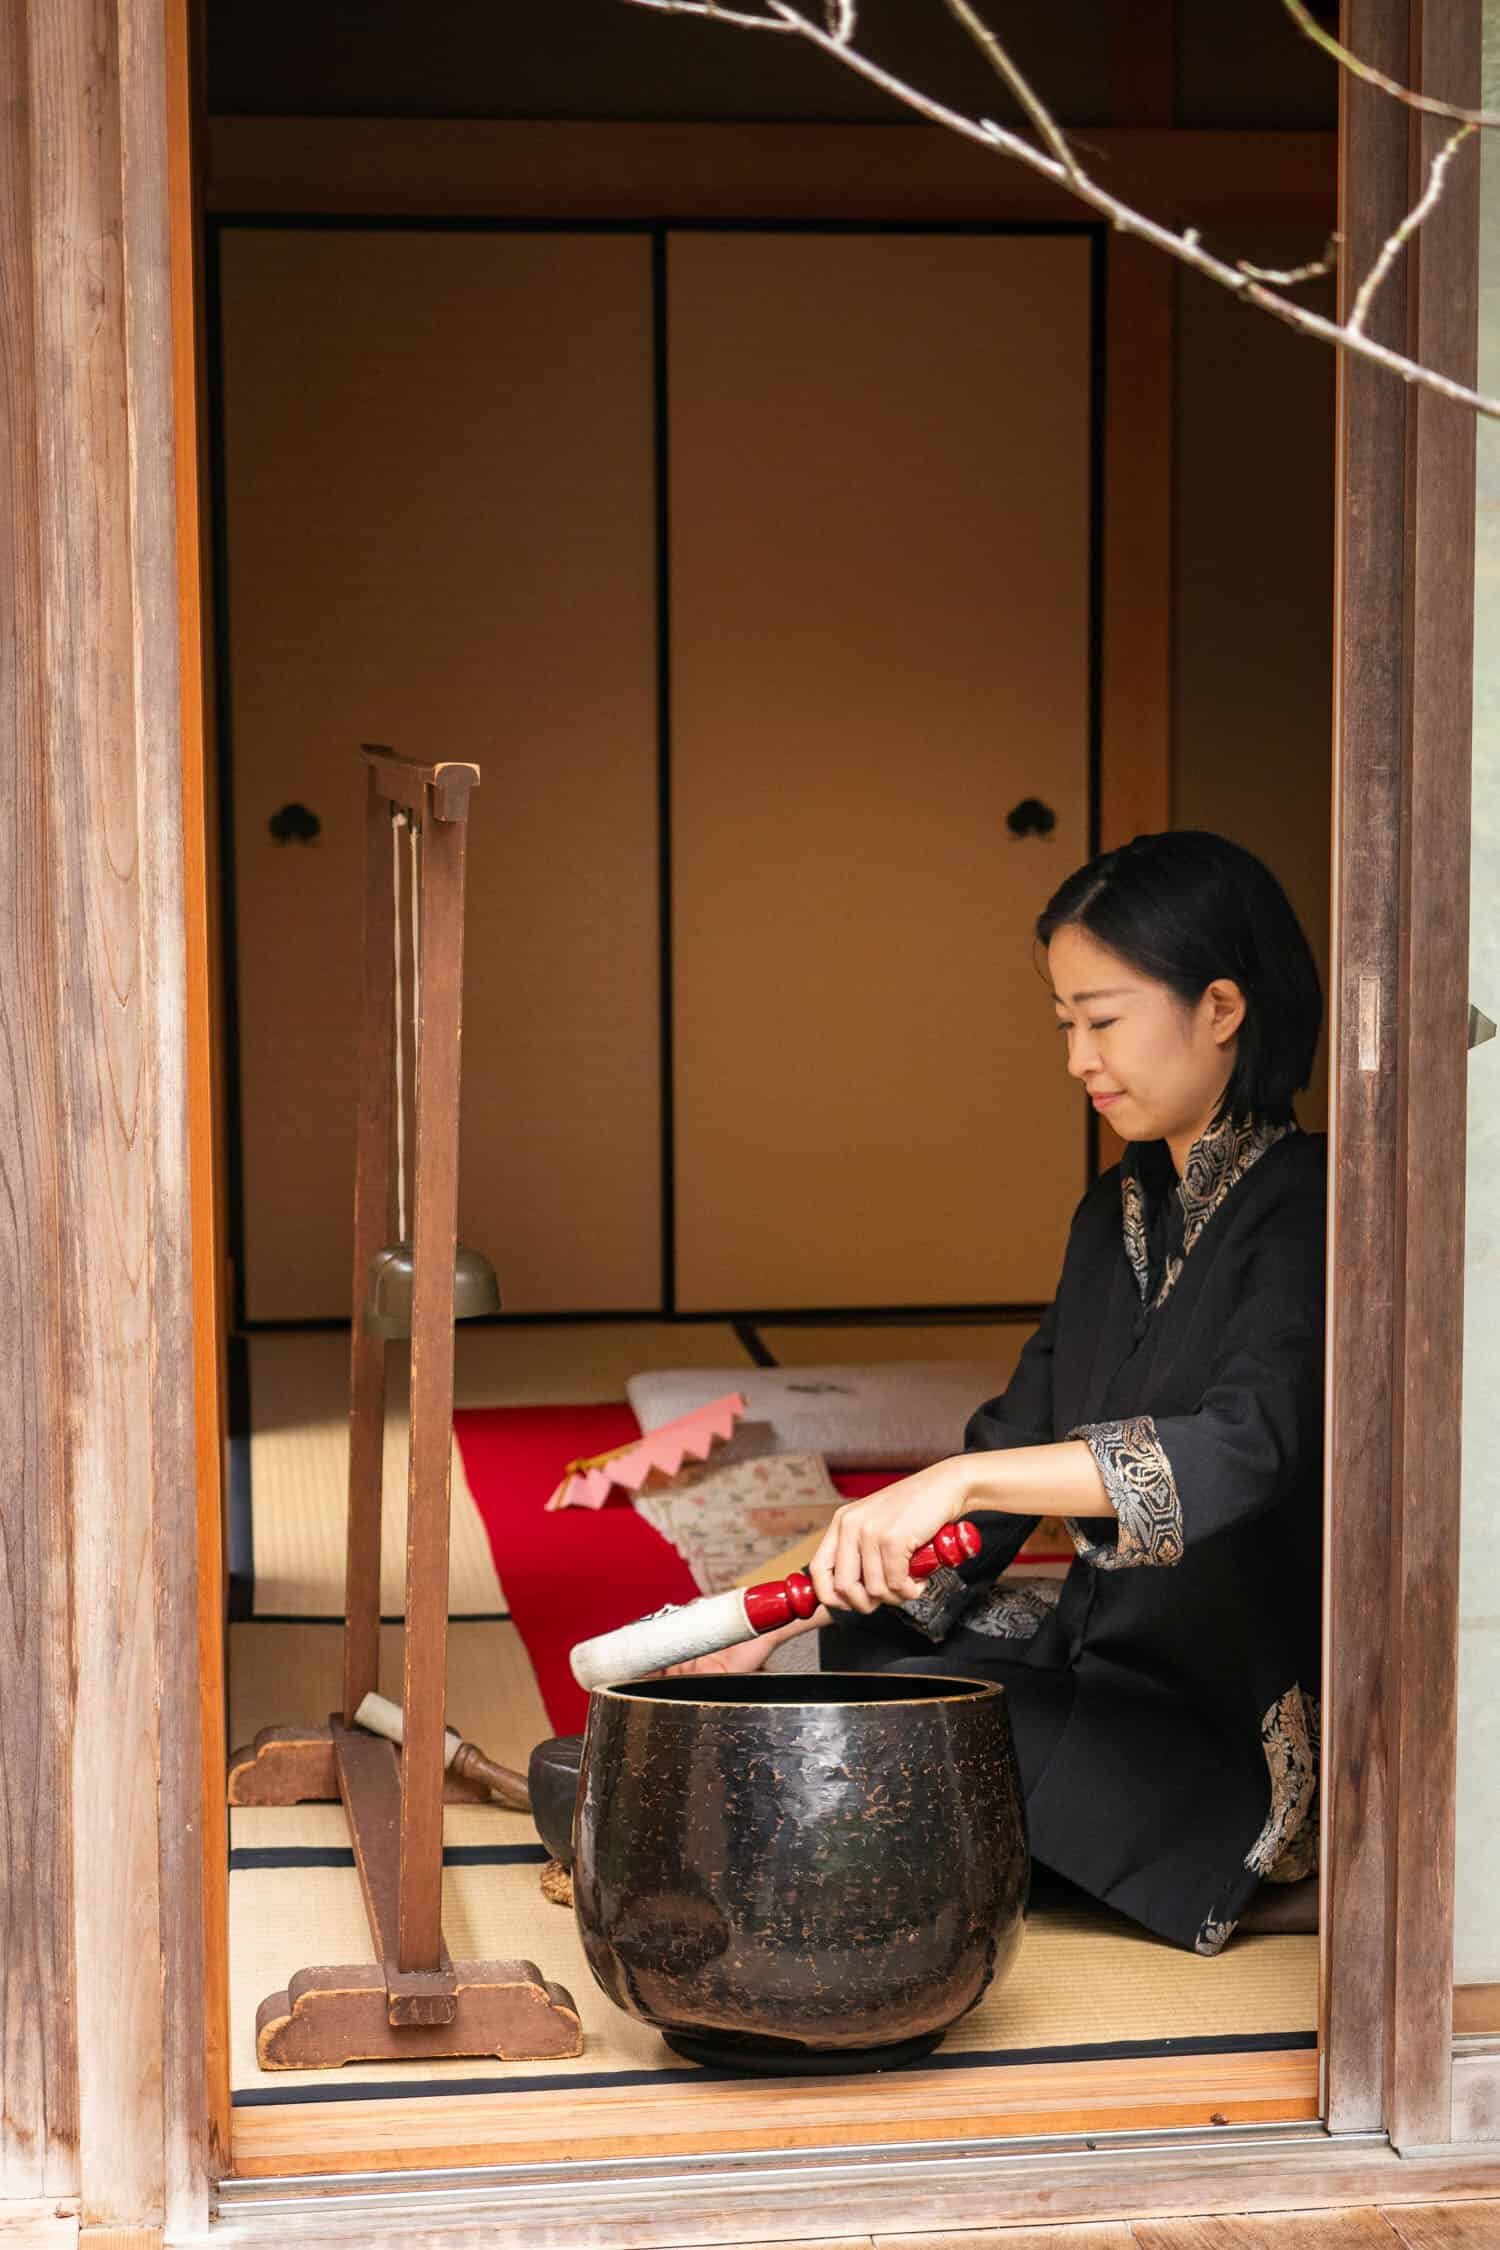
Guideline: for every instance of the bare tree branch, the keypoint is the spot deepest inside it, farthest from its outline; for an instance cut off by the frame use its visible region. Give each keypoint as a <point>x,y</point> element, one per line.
<point>1287,277</point>
<point>1346,59</point>
<point>1408,227</point>
<point>1047,127</point>
<point>1243,280</point>
<point>719,15</point>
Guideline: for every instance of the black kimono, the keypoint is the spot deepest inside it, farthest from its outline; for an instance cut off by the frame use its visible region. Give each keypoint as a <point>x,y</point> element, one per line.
<point>1164,1699</point>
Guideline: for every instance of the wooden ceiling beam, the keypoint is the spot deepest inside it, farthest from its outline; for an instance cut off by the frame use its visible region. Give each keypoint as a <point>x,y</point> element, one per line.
<point>477,168</point>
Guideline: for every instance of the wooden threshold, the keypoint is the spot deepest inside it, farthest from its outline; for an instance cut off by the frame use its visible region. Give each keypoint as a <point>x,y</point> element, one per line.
<point>597,2122</point>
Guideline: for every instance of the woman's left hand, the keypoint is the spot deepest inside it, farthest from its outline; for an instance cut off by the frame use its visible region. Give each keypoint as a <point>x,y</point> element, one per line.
<point>862,1558</point>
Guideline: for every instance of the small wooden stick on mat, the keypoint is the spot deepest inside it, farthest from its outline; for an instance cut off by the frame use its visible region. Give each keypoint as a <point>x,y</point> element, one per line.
<point>381,1716</point>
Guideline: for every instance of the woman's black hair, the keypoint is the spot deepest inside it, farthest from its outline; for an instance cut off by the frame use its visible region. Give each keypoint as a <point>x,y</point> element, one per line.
<point>1187,907</point>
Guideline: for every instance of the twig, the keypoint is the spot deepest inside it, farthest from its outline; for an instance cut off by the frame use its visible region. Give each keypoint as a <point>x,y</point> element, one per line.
<point>1354,326</point>
<point>1186,247</point>
<point>1287,277</point>
<point>1344,56</point>
<point>1009,75</point>
<point>719,15</point>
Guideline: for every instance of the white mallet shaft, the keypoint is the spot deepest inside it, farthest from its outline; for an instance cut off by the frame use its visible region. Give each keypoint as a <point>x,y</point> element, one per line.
<point>722,1620</point>
<point>696,1629</point>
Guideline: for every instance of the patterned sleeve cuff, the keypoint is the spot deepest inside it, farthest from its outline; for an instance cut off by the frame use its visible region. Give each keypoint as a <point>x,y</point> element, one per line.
<point>942,1601</point>
<point>1142,1490</point>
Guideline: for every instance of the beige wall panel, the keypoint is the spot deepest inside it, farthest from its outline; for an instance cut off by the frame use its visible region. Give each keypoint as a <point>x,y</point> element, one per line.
<point>880,560</point>
<point>1252,715</point>
<point>440,520</point>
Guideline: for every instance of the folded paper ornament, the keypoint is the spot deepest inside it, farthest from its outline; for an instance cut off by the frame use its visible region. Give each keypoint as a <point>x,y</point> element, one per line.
<point>588,1483</point>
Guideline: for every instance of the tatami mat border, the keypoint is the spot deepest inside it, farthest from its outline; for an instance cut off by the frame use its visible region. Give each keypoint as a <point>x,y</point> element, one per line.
<point>245,1859</point>
<point>1007,2058</point>
<point>392,1617</point>
<point>240,1591</point>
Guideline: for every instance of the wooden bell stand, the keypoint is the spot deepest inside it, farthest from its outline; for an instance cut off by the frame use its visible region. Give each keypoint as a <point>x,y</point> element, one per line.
<point>413,2001</point>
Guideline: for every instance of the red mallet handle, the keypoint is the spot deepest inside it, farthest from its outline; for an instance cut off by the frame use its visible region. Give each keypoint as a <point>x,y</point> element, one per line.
<point>781,1599</point>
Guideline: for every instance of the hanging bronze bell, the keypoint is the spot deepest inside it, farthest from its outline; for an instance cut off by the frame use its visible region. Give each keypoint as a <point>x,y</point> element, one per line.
<point>388,1298</point>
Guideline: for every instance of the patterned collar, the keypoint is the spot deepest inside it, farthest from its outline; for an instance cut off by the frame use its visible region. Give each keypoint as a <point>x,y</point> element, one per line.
<point>1217,1161</point>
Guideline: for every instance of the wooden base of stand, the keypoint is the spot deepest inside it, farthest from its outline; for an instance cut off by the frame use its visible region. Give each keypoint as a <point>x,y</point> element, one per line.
<point>295,1766</point>
<point>327,2017</point>
<point>379,2011</point>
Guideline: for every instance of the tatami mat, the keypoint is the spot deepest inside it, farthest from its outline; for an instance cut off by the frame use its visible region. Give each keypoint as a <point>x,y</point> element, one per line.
<point>1077,1980</point>
<point>299,1445</point>
<point>286,1675</point>
<point>1080,1979</point>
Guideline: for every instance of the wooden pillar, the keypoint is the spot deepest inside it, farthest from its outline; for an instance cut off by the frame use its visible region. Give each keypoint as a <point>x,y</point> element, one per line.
<point>38,2095</point>
<point>1432,1093</point>
<point>1400,862</point>
<point>103,1778</point>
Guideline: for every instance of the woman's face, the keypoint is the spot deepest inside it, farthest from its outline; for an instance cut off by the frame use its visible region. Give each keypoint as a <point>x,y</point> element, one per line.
<point>1155,1066</point>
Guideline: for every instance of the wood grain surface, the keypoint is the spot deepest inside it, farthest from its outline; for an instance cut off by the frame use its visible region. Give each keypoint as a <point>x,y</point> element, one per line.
<point>1432,1082</point>
<point>605,2121</point>
<point>205,1071</point>
<point>167,2125</point>
<point>1362,1182</point>
<point>100,741</point>
<point>480,167</point>
<point>1447,2226</point>
<point>959,2208</point>
<point>106,1475</point>
<point>1356,2229</point>
<point>374,1211</point>
<point>434,1241</point>
<point>38,2063</point>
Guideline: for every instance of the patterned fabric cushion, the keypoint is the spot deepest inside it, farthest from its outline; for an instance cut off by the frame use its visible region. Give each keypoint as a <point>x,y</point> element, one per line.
<point>898,1416</point>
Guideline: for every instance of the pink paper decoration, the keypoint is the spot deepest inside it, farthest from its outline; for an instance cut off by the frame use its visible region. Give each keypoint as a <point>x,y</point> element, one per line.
<point>660,1453</point>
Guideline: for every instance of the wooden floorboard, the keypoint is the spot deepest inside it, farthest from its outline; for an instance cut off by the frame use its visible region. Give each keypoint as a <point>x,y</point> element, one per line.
<point>1286,2230</point>
<point>1423,2226</point>
<point>1109,2237</point>
<point>600,2121</point>
<point>1447,2226</point>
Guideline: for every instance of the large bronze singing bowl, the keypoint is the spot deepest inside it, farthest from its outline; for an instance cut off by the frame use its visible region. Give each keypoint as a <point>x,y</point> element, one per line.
<point>791,1865</point>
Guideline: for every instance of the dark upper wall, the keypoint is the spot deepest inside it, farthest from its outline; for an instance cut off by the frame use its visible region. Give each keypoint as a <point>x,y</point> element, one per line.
<point>1240,62</point>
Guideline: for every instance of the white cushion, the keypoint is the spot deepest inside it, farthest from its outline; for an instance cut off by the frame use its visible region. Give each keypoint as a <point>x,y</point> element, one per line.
<point>895,1416</point>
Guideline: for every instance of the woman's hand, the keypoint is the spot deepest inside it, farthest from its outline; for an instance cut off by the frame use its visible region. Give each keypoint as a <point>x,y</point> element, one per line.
<point>745,1656</point>
<point>862,1558</point>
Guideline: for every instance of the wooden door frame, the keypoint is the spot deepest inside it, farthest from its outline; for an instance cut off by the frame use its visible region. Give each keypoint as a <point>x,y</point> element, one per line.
<point>107,1929</point>
<point>1403,689</point>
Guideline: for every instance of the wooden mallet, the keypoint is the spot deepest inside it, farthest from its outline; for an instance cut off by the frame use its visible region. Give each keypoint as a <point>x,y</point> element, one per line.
<point>719,1621</point>
<point>381,1716</point>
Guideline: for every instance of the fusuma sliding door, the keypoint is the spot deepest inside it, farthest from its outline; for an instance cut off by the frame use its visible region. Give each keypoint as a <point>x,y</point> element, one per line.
<point>880,647</point>
<point>772,545</point>
<point>438,502</point>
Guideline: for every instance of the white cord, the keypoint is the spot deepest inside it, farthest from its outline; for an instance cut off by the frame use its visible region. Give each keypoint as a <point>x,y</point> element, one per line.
<point>396,820</point>
<point>416,943</point>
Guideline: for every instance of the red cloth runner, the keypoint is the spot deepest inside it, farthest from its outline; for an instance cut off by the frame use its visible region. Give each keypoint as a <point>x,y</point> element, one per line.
<point>578,1571</point>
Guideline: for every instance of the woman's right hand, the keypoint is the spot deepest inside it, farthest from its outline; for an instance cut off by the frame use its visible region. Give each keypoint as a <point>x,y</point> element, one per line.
<point>745,1656</point>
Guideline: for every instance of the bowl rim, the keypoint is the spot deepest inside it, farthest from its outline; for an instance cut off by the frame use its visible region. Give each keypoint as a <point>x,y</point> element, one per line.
<point>962,1687</point>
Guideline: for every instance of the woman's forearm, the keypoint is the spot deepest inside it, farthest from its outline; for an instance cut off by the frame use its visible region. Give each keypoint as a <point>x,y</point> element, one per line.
<point>1034,1480</point>
<point>861,1559</point>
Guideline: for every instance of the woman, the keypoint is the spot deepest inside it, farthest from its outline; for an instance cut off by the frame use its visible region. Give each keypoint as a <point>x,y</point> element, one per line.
<point>1169,1408</point>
